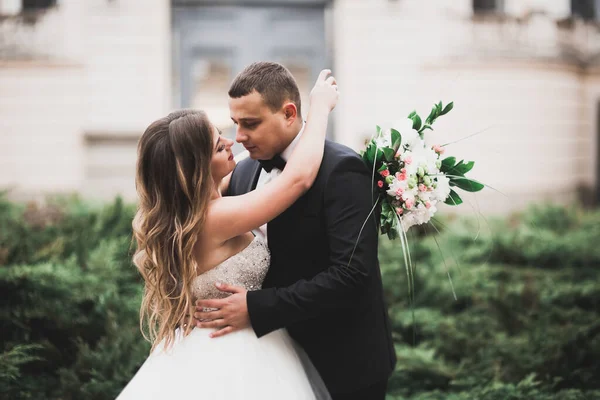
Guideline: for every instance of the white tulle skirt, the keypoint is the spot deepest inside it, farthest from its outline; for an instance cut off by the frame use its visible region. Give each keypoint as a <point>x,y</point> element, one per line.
<point>235,366</point>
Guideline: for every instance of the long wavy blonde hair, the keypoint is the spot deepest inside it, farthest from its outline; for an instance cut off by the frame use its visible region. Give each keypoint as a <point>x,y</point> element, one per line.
<point>174,185</point>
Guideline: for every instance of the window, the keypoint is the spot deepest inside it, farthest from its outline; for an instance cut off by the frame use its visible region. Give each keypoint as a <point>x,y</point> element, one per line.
<point>28,5</point>
<point>588,10</point>
<point>15,7</point>
<point>487,6</point>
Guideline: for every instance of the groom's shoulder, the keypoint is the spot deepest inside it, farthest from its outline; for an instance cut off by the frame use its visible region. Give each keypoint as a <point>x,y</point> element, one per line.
<point>244,168</point>
<point>242,172</point>
<point>337,154</point>
<point>336,151</point>
<point>245,163</point>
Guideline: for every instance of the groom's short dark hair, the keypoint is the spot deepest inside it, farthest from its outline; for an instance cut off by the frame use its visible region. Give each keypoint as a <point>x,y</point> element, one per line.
<point>271,80</point>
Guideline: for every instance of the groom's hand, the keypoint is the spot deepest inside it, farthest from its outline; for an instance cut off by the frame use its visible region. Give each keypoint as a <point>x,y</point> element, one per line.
<point>232,313</point>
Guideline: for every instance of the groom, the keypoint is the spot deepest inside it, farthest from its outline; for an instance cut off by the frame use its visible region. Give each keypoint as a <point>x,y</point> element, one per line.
<point>327,293</point>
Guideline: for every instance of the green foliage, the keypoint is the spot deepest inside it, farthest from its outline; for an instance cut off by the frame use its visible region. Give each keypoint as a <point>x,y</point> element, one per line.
<point>69,310</point>
<point>436,111</point>
<point>524,324</point>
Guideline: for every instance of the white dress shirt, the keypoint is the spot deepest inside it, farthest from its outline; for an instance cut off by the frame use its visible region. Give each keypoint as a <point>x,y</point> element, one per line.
<point>265,177</point>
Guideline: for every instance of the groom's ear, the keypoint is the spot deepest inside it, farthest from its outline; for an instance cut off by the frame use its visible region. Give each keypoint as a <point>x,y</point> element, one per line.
<point>290,111</point>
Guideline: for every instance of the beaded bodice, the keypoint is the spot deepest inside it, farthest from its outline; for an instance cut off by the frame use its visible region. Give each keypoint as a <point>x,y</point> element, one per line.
<point>246,269</point>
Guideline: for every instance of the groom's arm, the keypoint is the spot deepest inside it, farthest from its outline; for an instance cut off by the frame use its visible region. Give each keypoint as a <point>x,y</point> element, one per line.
<point>348,202</point>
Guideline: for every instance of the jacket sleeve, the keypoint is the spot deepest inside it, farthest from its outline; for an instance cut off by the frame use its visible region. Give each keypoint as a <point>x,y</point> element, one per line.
<point>348,202</point>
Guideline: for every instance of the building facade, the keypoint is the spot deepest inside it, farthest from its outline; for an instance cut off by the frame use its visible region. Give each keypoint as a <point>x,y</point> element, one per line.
<point>80,81</point>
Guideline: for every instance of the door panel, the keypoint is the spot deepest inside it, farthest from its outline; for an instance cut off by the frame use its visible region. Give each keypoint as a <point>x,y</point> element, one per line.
<point>214,43</point>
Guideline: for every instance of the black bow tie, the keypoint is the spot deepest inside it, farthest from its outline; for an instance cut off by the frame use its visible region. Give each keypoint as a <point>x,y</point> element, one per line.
<point>275,162</point>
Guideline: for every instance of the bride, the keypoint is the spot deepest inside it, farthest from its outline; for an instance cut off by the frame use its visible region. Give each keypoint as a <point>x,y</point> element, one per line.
<point>190,238</point>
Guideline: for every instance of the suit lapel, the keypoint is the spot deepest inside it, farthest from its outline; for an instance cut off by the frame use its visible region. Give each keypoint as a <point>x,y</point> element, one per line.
<point>255,171</point>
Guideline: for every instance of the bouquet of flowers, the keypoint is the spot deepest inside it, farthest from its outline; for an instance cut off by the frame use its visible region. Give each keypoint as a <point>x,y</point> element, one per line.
<point>412,177</point>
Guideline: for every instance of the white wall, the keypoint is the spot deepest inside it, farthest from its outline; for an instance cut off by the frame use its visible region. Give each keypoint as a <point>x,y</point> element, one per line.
<point>390,59</point>
<point>591,129</point>
<point>531,116</point>
<point>128,85</point>
<point>104,75</point>
<point>101,68</point>
<point>127,57</point>
<point>40,127</point>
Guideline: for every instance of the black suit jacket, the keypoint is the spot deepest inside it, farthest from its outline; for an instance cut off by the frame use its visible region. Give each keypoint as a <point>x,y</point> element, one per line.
<point>332,307</point>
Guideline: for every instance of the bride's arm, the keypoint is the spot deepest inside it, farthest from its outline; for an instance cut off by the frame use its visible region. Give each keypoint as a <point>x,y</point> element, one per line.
<point>225,181</point>
<point>231,216</point>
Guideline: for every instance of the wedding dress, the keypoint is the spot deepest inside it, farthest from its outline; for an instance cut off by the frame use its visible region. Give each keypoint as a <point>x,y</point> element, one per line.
<point>234,366</point>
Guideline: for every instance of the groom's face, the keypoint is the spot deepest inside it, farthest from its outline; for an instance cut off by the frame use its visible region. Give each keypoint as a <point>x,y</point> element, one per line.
<point>259,129</point>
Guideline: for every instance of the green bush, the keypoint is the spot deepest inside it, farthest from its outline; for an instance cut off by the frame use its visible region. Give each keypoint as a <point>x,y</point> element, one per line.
<point>70,303</point>
<point>524,324</point>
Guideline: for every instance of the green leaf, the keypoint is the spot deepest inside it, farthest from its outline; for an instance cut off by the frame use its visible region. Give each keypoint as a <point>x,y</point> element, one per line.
<point>372,155</point>
<point>416,122</point>
<point>389,220</point>
<point>388,153</point>
<point>461,168</point>
<point>455,170</point>
<point>425,127</point>
<point>447,109</point>
<point>369,155</point>
<point>447,164</point>
<point>385,209</point>
<point>432,115</point>
<point>453,199</point>
<point>467,184</point>
<point>412,114</point>
<point>386,218</point>
<point>396,139</point>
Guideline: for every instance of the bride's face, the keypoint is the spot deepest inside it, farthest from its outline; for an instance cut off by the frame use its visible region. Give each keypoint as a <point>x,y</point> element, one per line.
<point>222,162</point>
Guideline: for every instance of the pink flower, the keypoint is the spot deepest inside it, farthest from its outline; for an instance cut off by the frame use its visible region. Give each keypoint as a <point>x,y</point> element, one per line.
<point>401,176</point>
<point>380,184</point>
<point>399,210</point>
<point>399,192</point>
<point>422,187</point>
<point>438,149</point>
<point>385,173</point>
<point>409,204</point>
<point>407,160</point>
<point>403,170</point>
<point>428,204</point>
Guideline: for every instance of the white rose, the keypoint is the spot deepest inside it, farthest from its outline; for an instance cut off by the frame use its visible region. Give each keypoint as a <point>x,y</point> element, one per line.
<point>409,135</point>
<point>417,216</point>
<point>442,191</point>
<point>424,196</point>
<point>432,209</point>
<point>431,158</point>
<point>409,194</point>
<point>396,184</point>
<point>384,139</point>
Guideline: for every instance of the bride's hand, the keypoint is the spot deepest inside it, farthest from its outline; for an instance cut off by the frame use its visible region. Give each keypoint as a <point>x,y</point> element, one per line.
<point>325,92</point>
